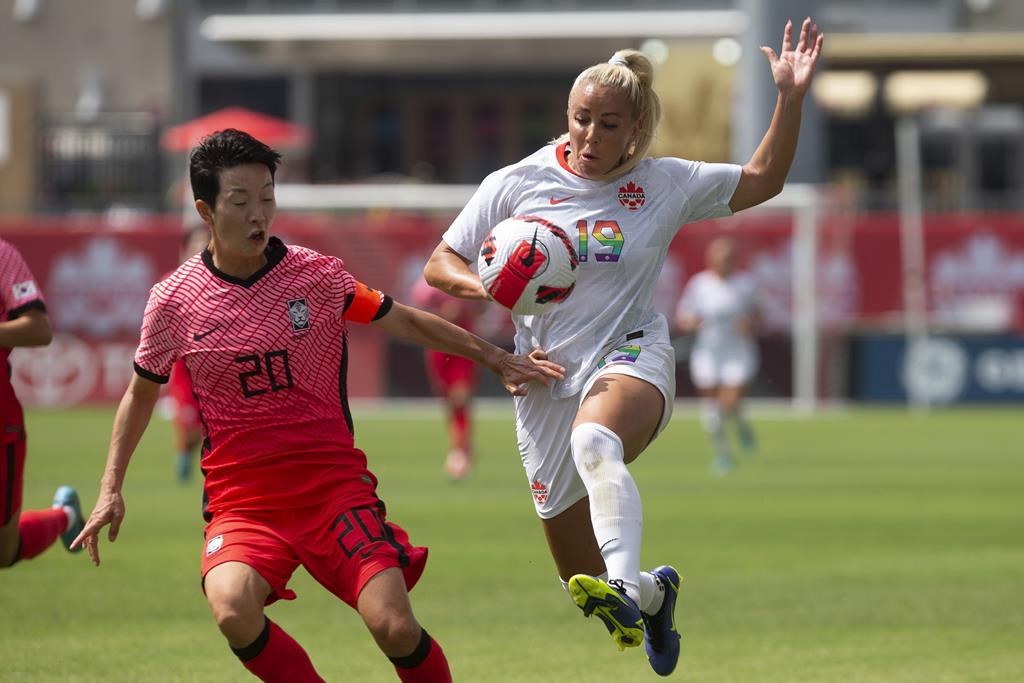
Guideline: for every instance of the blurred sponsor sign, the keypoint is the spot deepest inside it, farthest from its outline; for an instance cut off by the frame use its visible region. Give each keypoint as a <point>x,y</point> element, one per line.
<point>71,370</point>
<point>939,370</point>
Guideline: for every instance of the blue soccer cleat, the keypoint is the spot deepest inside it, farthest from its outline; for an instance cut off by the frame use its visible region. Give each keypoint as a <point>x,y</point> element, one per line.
<point>662,643</point>
<point>609,603</point>
<point>66,496</point>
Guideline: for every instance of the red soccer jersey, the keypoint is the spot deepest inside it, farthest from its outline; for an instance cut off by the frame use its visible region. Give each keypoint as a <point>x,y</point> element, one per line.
<point>18,293</point>
<point>179,388</point>
<point>267,357</point>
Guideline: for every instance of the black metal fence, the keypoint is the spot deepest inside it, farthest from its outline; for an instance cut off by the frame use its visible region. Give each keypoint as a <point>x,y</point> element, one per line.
<point>110,162</point>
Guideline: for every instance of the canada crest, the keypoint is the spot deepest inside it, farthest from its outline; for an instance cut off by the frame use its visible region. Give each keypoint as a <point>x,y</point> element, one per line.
<point>539,491</point>
<point>632,196</point>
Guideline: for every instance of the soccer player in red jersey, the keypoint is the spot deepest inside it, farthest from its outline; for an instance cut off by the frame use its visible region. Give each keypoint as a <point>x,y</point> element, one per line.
<point>188,430</point>
<point>452,377</point>
<point>262,328</point>
<point>23,535</point>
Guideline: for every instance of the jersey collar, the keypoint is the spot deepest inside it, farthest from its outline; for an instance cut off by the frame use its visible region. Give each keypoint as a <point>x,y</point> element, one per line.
<point>275,251</point>
<point>562,155</point>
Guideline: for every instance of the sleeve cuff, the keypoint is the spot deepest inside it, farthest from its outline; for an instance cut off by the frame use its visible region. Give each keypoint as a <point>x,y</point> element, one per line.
<point>385,306</point>
<point>152,377</point>
<point>35,304</point>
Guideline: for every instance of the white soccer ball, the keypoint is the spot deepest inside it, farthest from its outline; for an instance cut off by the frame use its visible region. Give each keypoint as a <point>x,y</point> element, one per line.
<point>528,265</point>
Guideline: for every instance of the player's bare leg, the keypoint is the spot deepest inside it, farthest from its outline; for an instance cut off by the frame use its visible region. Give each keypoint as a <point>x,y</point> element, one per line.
<point>730,398</point>
<point>713,420</point>
<point>236,594</point>
<point>187,440</point>
<point>385,608</point>
<point>9,542</point>
<point>460,455</point>
<point>570,537</point>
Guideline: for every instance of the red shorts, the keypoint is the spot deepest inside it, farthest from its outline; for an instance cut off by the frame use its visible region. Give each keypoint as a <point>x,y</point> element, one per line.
<point>186,408</point>
<point>446,371</point>
<point>12,478</point>
<point>341,548</point>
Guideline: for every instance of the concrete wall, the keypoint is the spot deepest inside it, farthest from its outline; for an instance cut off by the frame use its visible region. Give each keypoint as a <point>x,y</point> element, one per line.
<point>68,39</point>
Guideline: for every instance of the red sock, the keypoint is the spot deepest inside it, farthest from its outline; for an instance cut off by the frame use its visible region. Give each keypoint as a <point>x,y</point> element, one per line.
<point>460,428</point>
<point>427,664</point>
<point>276,656</point>
<point>39,529</point>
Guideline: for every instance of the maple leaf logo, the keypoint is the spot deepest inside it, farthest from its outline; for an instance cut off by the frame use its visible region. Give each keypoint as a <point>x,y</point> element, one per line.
<point>632,196</point>
<point>539,490</point>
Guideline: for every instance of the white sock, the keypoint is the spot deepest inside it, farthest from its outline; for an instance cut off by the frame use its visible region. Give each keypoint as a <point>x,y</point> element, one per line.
<point>70,513</point>
<point>711,419</point>
<point>652,593</point>
<point>615,508</point>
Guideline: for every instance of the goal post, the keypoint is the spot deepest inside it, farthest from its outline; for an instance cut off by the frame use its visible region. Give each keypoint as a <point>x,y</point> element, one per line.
<point>802,201</point>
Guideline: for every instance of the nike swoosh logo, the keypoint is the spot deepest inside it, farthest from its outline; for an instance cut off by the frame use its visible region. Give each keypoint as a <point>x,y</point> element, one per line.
<point>558,200</point>
<point>198,337</point>
<point>528,261</point>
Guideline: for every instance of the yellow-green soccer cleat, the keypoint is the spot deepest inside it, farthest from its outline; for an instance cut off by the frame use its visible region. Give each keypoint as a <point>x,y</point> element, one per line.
<point>609,603</point>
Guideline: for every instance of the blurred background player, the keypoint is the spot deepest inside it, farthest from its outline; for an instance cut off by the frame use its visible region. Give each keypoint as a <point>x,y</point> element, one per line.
<point>453,378</point>
<point>184,409</point>
<point>577,439</point>
<point>23,535</point>
<point>263,329</point>
<point>720,306</point>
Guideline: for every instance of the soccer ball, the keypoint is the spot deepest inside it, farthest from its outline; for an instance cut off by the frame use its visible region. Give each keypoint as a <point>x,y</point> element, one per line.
<point>528,265</point>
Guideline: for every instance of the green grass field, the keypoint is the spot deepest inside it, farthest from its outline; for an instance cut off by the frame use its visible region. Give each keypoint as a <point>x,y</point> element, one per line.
<point>869,546</point>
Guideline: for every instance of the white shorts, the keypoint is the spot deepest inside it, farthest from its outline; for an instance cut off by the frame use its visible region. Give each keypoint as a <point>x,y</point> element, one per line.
<point>544,423</point>
<point>733,366</point>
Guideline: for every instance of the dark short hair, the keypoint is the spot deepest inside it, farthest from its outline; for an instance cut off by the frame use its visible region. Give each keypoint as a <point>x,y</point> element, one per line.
<point>222,150</point>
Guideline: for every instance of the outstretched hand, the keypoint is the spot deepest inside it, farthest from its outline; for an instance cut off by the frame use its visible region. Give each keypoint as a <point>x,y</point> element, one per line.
<point>517,370</point>
<point>793,69</point>
<point>109,510</point>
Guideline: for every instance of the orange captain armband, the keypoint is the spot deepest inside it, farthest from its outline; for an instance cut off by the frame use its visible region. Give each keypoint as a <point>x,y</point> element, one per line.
<point>365,304</point>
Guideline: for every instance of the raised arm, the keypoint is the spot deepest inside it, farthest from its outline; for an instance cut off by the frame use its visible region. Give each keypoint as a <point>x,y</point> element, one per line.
<point>132,417</point>
<point>765,174</point>
<point>448,271</point>
<point>427,329</point>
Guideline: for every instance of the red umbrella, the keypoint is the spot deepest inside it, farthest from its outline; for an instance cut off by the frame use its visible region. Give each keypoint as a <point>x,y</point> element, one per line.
<point>270,130</point>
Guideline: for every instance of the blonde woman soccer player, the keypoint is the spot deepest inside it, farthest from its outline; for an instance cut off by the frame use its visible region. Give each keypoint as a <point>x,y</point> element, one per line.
<point>576,439</point>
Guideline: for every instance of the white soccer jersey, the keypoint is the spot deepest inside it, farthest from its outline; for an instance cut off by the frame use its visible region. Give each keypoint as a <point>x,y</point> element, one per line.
<point>621,229</point>
<point>719,304</point>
